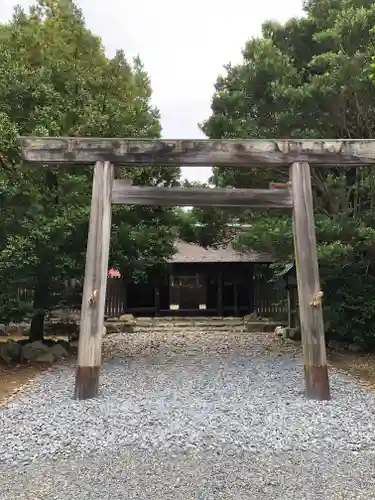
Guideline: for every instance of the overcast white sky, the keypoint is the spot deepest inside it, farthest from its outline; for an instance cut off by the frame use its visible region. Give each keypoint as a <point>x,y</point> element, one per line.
<point>183,44</point>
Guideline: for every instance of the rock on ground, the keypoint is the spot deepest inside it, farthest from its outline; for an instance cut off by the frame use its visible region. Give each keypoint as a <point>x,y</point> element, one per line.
<point>189,417</point>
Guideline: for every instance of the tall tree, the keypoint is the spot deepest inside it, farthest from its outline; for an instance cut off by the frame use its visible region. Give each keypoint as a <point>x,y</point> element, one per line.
<point>57,81</point>
<point>311,78</point>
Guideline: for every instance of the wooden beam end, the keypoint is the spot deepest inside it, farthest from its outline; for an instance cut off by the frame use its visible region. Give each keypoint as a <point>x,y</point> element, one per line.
<point>317,383</point>
<point>87,382</point>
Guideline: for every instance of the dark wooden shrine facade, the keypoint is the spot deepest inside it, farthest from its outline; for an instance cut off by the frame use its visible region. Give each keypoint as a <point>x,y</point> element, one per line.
<point>215,289</point>
<point>201,282</point>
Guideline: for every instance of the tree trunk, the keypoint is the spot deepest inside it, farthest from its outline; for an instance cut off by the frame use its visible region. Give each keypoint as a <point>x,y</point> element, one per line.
<point>37,326</point>
<point>42,287</point>
<point>41,303</point>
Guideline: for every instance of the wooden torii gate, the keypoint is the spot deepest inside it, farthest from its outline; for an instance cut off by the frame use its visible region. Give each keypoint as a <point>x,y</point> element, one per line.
<point>104,153</point>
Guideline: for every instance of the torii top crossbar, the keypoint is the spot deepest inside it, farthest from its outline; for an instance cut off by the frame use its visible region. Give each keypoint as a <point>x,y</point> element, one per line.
<point>236,152</point>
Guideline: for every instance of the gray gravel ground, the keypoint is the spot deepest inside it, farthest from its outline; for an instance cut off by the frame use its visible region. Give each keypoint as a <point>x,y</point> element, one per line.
<point>202,426</point>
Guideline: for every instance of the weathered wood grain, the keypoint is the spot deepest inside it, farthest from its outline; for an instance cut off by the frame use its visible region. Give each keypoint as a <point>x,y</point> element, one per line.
<point>177,196</point>
<point>240,153</point>
<point>309,293</point>
<point>95,284</point>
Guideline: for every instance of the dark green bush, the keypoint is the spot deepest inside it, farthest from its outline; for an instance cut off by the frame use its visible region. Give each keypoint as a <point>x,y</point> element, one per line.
<point>349,308</point>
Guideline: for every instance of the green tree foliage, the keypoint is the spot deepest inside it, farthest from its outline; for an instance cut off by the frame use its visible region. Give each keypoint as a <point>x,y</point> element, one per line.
<point>205,226</point>
<point>56,80</point>
<point>202,226</point>
<point>312,77</point>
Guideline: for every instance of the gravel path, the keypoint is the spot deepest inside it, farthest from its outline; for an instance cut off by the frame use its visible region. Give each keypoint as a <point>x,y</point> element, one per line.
<point>188,425</point>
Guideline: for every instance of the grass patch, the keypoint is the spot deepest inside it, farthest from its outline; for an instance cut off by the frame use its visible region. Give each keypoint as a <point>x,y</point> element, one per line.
<point>13,378</point>
<point>359,366</point>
